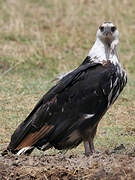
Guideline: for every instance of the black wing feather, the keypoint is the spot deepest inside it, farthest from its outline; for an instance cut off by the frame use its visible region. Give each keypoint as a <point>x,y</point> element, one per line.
<point>40,114</point>
<point>83,91</point>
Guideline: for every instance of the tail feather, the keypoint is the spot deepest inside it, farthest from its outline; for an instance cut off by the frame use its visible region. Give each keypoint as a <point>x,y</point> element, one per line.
<point>24,150</point>
<point>26,136</point>
<point>20,133</point>
<point>24,128</point>
<point>32,138</point>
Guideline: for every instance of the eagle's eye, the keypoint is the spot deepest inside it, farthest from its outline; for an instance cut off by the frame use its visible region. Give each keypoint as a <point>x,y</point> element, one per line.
<point>113,28</point>
<point>101,28</point>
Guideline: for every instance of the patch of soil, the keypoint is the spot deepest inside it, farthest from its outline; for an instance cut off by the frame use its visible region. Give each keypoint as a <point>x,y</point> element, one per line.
<point>70,166</point>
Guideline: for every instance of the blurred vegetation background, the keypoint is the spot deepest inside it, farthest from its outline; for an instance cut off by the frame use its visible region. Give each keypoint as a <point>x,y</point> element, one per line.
<point>40,39</point>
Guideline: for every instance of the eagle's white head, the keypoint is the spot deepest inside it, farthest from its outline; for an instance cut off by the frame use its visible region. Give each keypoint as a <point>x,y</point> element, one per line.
<point>107,38</point>
<point>108,33</point>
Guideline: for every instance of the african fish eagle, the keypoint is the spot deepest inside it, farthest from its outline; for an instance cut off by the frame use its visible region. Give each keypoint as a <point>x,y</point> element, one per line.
<point>70,111</point>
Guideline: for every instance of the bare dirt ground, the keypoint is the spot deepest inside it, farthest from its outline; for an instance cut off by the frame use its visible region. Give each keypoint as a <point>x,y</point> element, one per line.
<point>71,166</point>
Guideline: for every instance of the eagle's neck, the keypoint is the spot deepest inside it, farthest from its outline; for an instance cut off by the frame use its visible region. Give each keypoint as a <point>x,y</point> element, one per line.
<point>102,51</point>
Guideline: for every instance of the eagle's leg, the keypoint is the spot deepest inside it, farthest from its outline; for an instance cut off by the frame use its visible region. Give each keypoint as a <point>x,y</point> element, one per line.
<point>88,137</point>
<point>91,144</point>
<point>87,148</point>
<point>91,138</point>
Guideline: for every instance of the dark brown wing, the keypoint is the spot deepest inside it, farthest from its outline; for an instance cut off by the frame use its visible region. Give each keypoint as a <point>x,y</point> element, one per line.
<point>42,120</point>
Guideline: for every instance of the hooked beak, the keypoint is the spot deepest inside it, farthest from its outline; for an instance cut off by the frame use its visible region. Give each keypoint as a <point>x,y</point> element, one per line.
<point>106,31</point>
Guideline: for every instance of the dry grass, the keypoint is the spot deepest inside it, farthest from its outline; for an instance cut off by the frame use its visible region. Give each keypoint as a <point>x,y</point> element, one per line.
<point>40,39</point>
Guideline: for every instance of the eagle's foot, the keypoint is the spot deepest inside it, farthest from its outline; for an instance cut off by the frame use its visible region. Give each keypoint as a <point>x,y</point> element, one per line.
<point>89,148</point>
